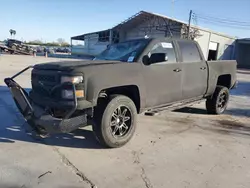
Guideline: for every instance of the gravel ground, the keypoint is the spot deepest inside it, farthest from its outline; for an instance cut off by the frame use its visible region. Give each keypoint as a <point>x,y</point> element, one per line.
<point>184,148</point>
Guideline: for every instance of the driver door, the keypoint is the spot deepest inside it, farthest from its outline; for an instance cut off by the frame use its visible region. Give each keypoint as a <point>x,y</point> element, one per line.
<point>163,79</point>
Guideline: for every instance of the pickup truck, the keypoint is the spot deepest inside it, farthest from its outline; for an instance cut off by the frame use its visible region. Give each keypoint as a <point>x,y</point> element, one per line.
<point>128,78</point>
<point>18,45</point>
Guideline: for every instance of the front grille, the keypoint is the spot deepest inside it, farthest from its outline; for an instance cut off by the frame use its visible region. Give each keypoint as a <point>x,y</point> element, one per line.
<point>44,78</point>
<point>44,81</point>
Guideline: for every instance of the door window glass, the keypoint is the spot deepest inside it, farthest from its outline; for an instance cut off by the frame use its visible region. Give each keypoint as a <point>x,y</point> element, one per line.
<point>189,51</point>
<point>164,47</point>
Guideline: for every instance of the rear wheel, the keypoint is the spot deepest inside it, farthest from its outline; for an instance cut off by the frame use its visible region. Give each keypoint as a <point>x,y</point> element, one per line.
<point>115,121</point>
<point>217,104</point>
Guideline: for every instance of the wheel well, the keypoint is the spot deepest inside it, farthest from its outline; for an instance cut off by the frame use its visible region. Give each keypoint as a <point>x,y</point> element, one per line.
<point>130,91</point>
<point>224,80</point>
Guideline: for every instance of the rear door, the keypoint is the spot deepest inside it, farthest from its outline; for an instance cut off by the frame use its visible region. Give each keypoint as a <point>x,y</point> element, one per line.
<point>194,70</point>
<point>162,79</point>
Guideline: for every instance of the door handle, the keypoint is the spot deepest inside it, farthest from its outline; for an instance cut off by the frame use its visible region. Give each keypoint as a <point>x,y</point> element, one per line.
<point>203,68</point>
<point>177,70</point>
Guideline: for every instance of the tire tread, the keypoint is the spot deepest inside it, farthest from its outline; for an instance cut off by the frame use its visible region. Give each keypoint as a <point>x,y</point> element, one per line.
<point>99,119</point>
<point>211,105</point>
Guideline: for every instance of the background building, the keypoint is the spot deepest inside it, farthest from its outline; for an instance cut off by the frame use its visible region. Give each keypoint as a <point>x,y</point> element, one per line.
<point>242,53</point>
<point>145,24</point>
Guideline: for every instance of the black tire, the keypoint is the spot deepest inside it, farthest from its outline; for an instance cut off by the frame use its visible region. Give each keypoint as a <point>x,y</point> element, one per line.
<point>104,114</point>
<point>214,104</point>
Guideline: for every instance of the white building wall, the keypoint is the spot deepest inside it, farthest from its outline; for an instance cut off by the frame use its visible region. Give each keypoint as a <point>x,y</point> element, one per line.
<point>91,46</point>
<point>226,46</point>
<point>77,50</point>
<point>203,41</point>
<point>143,29</point>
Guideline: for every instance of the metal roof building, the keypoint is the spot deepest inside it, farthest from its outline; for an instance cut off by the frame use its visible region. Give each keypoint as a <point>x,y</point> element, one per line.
<point>146,24</point>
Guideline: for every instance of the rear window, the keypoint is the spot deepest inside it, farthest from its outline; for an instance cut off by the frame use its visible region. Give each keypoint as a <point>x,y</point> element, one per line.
<point>189,51</point>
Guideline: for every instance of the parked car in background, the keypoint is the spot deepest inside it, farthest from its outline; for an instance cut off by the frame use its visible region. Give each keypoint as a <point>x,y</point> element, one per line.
<point>62,50</point>
<point>66,50</point>
<point>50,50</point>
<point>39,49</point>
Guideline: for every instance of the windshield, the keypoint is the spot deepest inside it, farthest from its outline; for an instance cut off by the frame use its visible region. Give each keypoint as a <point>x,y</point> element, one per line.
<point>125,51</point>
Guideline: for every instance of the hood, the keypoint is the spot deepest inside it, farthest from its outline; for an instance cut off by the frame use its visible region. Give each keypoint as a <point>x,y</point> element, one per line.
<point>71,65</point>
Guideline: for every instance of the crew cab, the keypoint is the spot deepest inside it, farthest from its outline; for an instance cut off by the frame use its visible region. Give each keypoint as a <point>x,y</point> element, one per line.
<point>128,78</point>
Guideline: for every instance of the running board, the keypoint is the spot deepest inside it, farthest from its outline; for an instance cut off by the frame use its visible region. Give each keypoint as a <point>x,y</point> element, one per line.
<point>175,106</point>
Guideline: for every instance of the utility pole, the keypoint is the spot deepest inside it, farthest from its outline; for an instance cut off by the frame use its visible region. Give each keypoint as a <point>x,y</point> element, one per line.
<point>173,1</point>
<point>189,22</point>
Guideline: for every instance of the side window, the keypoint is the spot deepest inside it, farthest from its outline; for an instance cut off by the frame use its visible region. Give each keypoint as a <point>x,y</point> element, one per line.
<point>189,51</point>
<point>166,48</point>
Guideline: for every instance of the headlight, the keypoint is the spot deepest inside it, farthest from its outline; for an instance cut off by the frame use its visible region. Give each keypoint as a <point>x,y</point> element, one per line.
<point>72,79</point>
<point>68,94</point>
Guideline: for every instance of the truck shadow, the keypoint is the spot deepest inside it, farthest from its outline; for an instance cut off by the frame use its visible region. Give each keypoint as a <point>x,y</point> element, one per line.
<point>242,90</point>
<point>191,110</point>
<point>80,138</point>
<point>231,111</point>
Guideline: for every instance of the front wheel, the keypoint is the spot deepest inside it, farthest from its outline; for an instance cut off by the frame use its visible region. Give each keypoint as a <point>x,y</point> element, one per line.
<point>115,123</point>
<point>217,104</point>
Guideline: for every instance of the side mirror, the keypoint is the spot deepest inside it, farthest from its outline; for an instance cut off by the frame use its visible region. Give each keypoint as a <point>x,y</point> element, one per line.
<point>158,57</point>
<point>145,60</point>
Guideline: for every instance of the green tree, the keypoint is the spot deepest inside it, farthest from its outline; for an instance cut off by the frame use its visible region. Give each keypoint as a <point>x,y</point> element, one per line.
<point>65,44</point>
<point>12,32</point>
<point>60,41</point>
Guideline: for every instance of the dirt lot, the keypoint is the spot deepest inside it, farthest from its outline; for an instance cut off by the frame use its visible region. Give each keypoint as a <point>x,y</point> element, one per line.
<point>186,148</point>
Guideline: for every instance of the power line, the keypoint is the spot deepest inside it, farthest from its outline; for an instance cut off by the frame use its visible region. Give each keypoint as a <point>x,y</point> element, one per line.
<point>225,22</point>
<point>222,18</point>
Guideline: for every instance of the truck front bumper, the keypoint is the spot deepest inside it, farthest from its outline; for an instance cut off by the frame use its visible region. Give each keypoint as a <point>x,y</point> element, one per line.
<point>39,117</point>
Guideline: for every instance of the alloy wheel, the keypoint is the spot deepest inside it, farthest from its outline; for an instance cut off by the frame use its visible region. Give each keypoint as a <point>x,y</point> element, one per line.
<point>222,101</point>
<point>121,121</point>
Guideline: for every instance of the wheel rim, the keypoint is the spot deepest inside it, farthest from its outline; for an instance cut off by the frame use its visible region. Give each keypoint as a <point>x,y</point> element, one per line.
<point>222,101</point>
<point>121,121</point>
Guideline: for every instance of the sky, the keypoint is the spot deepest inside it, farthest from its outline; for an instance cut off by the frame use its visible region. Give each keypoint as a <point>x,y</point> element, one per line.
<point>48,20</point>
